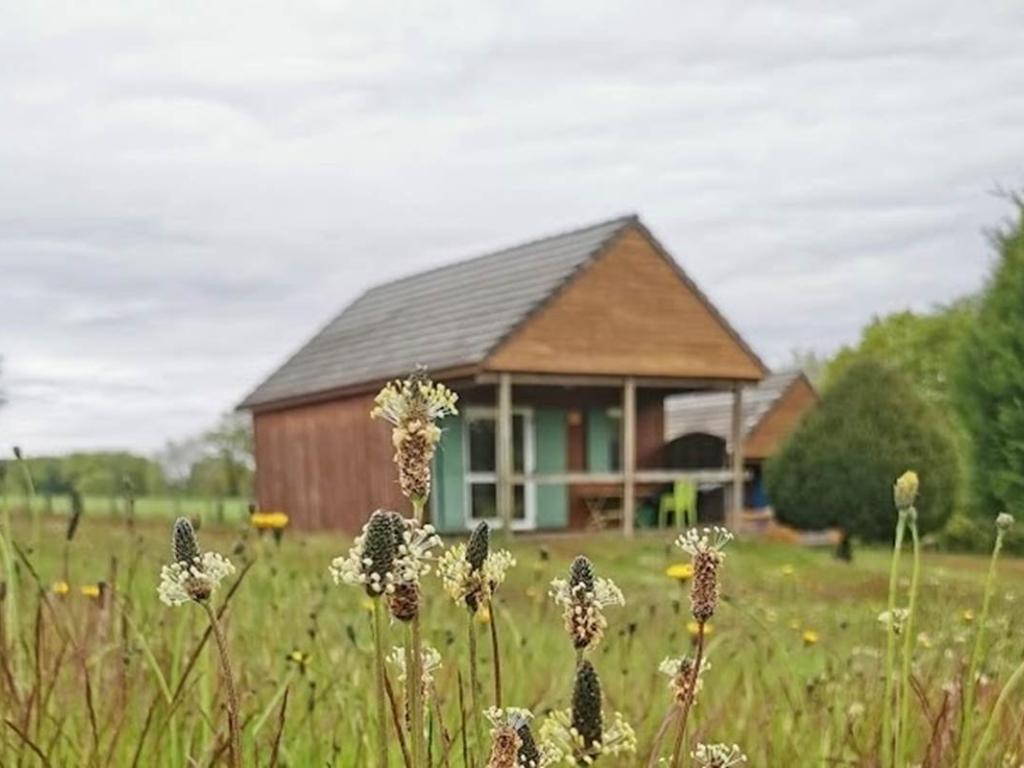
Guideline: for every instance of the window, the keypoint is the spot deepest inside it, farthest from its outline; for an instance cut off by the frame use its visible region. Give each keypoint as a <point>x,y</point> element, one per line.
<point>482,465</point>
<point>615,439</point>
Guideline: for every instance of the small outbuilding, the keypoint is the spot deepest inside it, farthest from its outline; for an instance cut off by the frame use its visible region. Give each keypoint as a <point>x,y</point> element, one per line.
<point>698,432</point>
<point>563,351</point>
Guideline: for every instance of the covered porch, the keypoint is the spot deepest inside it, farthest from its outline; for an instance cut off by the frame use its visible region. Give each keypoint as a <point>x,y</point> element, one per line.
<point>555,452</point>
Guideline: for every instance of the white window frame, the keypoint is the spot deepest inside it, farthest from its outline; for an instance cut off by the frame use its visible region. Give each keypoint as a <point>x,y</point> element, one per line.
<point>529,521</point>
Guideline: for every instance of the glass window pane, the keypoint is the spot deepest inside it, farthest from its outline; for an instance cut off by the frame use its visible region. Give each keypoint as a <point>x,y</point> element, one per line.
<point>483,500</point>
<point>481,445</point>
<point>615,442</point>
<point>519,511</point>
<point>518,425</point>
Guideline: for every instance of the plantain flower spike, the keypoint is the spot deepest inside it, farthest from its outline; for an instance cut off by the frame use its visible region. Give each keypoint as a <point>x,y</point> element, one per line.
<point>412,406</point>
<point>472,572</point>
<point>705,547</point>
<point>194,575</point>
<point>371,560</point>
<point>583,598</point>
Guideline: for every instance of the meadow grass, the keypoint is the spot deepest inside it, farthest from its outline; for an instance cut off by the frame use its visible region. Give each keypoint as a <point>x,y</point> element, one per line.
<point>796,650</point>
<point>166,508</point>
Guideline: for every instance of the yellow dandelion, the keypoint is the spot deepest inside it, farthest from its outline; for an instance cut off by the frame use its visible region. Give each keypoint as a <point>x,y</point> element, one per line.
<point>968,616</point>
<point>91,591</point>
<point>693,628</point>
<point>680,571</point>
<point>60,588</point>
<point>788,570</point>
<point>268,521</point>
<point>810,637</point>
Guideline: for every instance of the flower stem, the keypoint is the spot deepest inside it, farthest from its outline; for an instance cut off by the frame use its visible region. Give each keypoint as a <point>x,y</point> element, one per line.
<point>890,645</point>
<point>414,686</point>
<point>986,736</point>
<point>677,750</point>
<point>495,653</point>
<point>474,685</point>
<point>908,651</point>
<point>234,731</point>
<point>30,492</point>
<point>382,701</point>
<point>979,646</point>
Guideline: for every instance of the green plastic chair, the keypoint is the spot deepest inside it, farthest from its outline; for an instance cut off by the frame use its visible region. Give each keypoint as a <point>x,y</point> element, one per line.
<point>682,501</point>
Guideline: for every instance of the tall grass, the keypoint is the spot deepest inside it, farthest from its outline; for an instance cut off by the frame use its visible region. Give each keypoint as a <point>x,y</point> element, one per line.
<point>803,704</point>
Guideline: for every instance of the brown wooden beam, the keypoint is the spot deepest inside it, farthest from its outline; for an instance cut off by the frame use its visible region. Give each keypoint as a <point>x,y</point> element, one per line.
<point>579,380</point>
<point>629,456</point>
<point>736,508</point>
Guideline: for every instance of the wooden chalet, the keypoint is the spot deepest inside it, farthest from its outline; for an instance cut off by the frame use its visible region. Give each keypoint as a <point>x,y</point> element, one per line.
<point>563,351</point>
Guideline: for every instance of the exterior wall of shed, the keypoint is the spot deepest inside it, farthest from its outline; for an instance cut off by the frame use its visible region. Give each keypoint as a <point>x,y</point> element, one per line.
<point>780,422</point>
<point>327,465</point>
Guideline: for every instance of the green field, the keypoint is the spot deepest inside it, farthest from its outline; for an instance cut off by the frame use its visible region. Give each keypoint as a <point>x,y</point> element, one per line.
<point>156,507</point>
<point>795,677</point>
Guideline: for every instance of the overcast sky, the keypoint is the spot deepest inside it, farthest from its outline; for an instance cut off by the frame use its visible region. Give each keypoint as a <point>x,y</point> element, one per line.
<point>185,197</point>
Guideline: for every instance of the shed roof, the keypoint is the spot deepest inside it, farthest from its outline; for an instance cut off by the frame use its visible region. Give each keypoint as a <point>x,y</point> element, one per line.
<point>443,318</point>
<point>711,413</point>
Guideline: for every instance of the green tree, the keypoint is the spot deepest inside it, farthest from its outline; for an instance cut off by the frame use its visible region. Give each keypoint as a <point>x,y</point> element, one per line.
<point>923,345</point>
<point>231,444</point>
<point>838,468</point>
<point>990,381</point>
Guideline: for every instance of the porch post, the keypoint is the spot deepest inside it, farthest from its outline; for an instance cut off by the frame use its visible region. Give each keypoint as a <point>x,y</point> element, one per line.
<point>629,455</point>
<point>503,451</point>
<point>733,521</point>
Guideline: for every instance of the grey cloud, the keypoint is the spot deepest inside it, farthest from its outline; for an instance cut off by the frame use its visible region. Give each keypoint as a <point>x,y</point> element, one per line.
<point>188,195</point>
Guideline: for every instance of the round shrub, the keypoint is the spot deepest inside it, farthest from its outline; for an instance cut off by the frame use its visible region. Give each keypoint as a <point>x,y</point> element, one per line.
<point>838,467</point>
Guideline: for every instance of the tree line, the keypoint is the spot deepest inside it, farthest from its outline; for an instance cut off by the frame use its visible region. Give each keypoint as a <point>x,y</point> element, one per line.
<point>217,463</point>
<point>941,392</point>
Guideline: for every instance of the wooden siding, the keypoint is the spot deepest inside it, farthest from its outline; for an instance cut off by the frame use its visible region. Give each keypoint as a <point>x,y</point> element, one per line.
<point>628,313</point>
<point>326,465</point>
<point>781,420</point>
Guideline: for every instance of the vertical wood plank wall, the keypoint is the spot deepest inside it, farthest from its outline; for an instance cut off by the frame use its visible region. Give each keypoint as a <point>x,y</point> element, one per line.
<point>781,420</point>
<point>327,465</point>
<point>628,313</point>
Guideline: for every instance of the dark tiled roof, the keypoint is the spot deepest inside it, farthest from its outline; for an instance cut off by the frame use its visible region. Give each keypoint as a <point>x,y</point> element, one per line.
<point>443,318</point>
<point>711,413</point>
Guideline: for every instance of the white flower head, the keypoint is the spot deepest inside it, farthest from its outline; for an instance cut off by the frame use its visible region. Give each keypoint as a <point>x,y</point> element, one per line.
<point>1004,521</point>
<point>512,717</point>
<point>430,661</point>
<point>894,619</point>
<point>702,540</point>
<point>679,670</point>
<point>184,582</point>
<point>583,597</point>
<point>718,755</point>
<point>514,724</point>
<point>466,586</point>
<point>413,556</point>
<point>371,562</point>
<point>414,398</point>
<point>562,744</point>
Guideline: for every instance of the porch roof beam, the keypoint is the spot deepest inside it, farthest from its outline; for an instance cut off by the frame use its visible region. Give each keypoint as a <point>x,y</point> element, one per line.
<point>618,478</point>
<point>575,380</point>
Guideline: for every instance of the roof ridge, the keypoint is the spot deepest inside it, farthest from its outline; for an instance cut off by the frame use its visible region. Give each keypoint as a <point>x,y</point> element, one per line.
<point>622,220</point>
